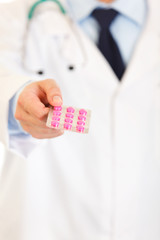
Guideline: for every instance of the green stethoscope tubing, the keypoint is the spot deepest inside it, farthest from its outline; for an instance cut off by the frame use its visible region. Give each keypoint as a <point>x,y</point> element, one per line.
<point>31,12</point>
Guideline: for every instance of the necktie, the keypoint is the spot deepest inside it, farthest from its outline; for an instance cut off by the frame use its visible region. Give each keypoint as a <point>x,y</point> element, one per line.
<point>107,44</point>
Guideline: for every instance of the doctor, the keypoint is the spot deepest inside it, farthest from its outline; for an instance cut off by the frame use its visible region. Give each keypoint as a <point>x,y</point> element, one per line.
<point>100,186</point>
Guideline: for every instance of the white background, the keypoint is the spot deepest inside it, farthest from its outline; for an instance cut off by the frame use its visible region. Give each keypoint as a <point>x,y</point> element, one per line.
<point>1,156</point>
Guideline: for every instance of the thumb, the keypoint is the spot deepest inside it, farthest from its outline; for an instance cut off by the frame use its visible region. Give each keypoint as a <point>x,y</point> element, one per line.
<point>52,92</point>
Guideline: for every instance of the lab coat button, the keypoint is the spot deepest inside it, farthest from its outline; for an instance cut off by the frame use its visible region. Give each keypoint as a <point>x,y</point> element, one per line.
<point>71,67</point>
<point>40,72</point>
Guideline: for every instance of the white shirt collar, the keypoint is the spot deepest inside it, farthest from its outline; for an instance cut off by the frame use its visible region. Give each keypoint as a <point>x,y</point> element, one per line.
<point>132,9</point>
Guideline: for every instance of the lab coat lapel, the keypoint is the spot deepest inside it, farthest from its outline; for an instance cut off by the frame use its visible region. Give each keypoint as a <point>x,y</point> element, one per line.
<point>92,51</point>
<point>146,53</point>
<point>99,62</point>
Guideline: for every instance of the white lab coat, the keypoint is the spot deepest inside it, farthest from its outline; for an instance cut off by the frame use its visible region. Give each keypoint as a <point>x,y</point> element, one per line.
<point>100,186</point>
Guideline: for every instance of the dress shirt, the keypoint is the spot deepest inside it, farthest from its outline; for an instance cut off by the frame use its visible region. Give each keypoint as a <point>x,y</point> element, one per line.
<point>126,27</point>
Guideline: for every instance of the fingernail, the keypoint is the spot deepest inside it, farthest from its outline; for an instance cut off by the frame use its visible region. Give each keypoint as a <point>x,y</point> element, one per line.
<point>57,101</point>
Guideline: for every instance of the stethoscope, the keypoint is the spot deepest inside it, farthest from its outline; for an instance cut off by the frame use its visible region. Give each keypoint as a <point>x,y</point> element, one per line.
<point>71,66</point>
<point>74,30</point>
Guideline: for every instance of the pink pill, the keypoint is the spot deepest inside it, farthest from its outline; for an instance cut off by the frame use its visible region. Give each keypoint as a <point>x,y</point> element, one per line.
<point>56,118</point>
<point>70,110</point>
<point>68,120</point>
<point>69,115</point>
<point>58,108</point>
<point>54,124</point>
<point>67,126</point>
<point>82,118</point>
<point>81,123</point>
<point>82,112</point>
<point>80,129</point>
<point>55,113</point>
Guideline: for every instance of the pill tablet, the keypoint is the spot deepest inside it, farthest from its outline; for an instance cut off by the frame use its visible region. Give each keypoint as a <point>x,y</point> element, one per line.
<point>83,112</point>
<point>55,124</point>
<point>70,110</point>
<point>69,115</point>
<point>56,113</point>
<point>58,108</point>
<point>81,123</point>
<point>56,118</point>
<point>80,129</point>
<point>82,118</point>
<point>68,120</point>
<point>67,126</point>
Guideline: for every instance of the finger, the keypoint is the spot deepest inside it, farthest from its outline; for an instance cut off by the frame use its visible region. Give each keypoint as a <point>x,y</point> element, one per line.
<point>47,136</point>
<point>30,103</point>
<point>26,118</point>
<point>52,91</point>
<point>40,133</point>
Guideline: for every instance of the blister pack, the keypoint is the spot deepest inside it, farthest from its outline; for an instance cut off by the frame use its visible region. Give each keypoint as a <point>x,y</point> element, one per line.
<point>69,118</point>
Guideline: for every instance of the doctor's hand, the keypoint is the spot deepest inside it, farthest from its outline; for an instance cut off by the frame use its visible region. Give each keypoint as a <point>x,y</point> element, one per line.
<point>33,107</point>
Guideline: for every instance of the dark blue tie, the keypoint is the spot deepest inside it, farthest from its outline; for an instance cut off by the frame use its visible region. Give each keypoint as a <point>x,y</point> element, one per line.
<point>107,44</point>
